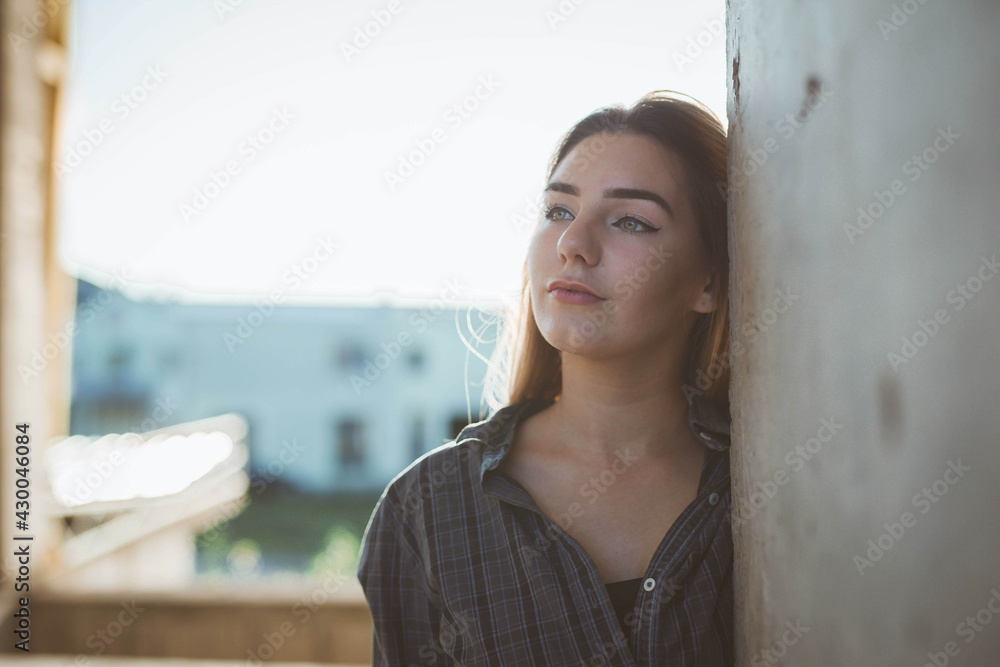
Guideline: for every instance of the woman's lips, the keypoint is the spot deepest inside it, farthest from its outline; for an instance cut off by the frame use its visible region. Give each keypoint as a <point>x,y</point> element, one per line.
<point>569,296</point>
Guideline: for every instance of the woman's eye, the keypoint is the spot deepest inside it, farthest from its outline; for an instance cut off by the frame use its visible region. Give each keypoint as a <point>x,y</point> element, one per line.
<point>630,224</point>
<point>552,211</point>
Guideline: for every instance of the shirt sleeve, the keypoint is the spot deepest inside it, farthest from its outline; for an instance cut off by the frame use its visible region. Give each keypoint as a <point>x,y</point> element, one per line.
<point>405,620</point>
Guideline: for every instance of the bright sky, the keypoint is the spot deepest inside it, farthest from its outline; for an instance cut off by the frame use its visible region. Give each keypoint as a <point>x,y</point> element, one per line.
<point>164,95</point>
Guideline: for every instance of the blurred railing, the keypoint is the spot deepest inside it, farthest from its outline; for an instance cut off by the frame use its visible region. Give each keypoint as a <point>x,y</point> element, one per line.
<point>323,621</point>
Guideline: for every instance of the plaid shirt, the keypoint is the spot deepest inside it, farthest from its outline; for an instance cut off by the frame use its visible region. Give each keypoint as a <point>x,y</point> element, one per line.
<point>460,567</point>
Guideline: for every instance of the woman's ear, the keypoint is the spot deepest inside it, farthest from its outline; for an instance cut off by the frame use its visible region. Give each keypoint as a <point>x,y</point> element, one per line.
<point>705,303</point>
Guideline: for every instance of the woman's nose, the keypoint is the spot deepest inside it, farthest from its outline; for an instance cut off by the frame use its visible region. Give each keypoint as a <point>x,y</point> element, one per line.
<point>579,240</point>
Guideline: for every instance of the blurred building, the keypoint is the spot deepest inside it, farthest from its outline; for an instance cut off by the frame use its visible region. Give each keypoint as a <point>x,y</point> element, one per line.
<point>336,399</point>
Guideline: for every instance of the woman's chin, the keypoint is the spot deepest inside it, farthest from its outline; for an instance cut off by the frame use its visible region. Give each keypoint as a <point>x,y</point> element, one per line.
<point>579,339</point>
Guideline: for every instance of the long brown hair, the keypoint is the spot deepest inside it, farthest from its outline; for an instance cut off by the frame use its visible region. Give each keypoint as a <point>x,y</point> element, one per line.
<point>527,364</point>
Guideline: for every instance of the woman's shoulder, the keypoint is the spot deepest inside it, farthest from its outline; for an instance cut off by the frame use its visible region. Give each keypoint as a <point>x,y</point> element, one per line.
<point>444,469</point>
<point>438,485</point>
<point>447,480</point>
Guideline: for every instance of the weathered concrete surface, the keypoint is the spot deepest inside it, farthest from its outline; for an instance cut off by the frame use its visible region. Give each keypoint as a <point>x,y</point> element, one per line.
<point>829,104</point>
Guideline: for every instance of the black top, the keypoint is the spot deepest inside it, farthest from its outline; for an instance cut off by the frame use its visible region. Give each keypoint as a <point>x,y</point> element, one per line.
<point>623,594</point>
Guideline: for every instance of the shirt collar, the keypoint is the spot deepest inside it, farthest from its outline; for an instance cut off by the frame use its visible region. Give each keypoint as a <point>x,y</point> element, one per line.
<point>708,421</point>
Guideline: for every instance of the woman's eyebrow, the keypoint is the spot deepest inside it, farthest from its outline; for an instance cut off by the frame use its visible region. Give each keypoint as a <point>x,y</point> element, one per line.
<point>615,193</point>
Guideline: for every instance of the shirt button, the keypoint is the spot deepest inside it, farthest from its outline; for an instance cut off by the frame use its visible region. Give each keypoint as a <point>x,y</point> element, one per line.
<point>649,584</point>
<point>713,499</point>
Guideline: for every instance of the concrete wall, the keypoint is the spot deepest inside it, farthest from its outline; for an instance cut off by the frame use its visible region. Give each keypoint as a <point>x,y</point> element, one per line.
<point>866,451</point>
<point>36,298</point>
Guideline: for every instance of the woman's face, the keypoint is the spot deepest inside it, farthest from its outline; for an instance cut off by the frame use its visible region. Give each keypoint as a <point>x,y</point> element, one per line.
<point>616,218</point>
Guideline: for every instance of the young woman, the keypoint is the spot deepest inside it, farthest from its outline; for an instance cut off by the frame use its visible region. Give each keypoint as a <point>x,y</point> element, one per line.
<point>587,521</point>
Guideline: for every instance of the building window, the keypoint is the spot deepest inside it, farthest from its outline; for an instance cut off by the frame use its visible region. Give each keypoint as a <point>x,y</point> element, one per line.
<point>119,359</point>
<point>455,426</point>
<point>351,356</point>
<point>170,360</point>
<point>118,414</point>
<point>351,446</point>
